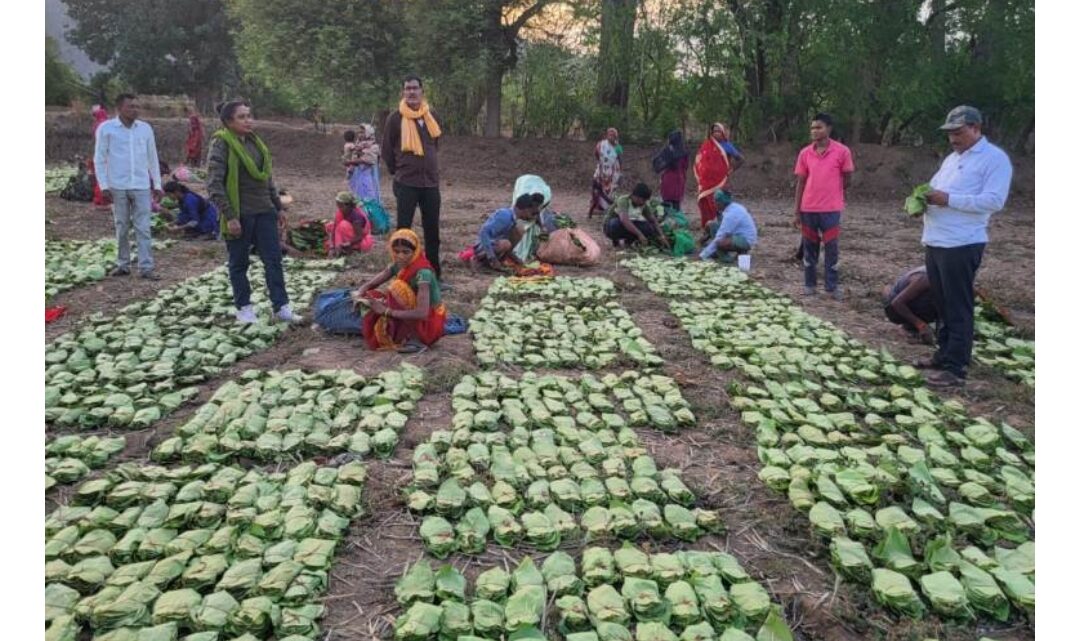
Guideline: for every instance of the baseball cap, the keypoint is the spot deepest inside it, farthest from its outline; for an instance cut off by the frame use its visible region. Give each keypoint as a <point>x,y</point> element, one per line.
<point>960,116</point>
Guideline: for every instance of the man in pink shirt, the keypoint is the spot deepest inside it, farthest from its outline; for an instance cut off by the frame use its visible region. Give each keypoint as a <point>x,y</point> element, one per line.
<point>823,172</point>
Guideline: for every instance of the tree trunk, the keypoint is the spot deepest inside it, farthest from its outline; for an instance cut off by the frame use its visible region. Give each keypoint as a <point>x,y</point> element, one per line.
<point>616,52</point>
<point>937,30</point>
<point>493,106</point>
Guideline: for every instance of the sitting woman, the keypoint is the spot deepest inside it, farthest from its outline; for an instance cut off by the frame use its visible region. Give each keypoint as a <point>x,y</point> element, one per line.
<point>409,316</point>
<point>197,216</point>
<point>633,219</point>
<point>351,230</point>
<point>499,233</point>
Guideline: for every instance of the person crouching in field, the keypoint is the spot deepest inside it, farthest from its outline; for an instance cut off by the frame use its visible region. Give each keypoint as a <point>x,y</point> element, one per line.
<point>350,230</point>
<point>499,233</point>
<point>733,234</point>
<point>909,302</point>
<point>197,217</point>
<point>632,219</point>
<point>409,316</point>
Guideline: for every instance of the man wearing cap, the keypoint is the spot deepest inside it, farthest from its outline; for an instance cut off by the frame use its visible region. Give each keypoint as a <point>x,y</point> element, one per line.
<point>735,232</point>
<point>972,183</point>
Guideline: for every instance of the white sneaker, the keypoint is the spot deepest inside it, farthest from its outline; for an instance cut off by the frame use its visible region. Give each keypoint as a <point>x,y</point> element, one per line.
<point>246,315</point>
<point>286,315</point>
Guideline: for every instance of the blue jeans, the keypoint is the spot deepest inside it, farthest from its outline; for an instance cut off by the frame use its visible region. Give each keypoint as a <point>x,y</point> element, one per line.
<point>131,208</point>
<point>821,228</point>
<point>259,231</point>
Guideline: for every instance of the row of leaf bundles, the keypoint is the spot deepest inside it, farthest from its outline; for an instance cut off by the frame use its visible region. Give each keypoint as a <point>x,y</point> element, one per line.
<point>71,263</point>
<point>546,528</point>
<point>956,584</point>
<point>673,278</point>
<point>69,458</point>
<point>802,465</point>
<point>540,333</point>
<point>272,415</point>
<point>1000,346</point>
<point>773,340</point>
<point>698,594</point>
<point>561,288</point>
<point>135,367</point>
<point>488,400</point>
<point>206,548</point>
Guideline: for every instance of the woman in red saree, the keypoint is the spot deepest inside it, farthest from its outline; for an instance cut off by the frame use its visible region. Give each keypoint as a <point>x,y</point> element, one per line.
<point>194,144</point>
<point>716,159</point>
<point>408,316</point>
<point>100,115</point>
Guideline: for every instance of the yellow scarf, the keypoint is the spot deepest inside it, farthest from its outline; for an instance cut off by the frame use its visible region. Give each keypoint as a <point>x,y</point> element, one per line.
<point>410,133</point>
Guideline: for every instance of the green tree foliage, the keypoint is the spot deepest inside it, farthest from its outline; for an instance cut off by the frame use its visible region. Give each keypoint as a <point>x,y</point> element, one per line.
<point>550,90</point>
<point>888,71</point>
<point>158,46</point>
<point>62,84</point>
<point>339,54</point>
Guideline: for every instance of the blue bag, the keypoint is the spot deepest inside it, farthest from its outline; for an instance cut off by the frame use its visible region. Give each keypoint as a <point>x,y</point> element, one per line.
<point>336,313</point>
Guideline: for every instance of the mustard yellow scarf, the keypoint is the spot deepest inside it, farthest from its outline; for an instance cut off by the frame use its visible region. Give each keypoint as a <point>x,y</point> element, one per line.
<point>410,133</point>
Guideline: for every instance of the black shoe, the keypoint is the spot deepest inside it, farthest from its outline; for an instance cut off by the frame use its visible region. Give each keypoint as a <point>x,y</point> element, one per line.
<point>149,275</point>
<point>120,271</point>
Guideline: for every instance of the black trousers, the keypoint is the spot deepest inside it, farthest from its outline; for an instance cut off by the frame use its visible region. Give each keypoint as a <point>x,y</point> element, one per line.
<point>430,201</point>
<point>952,280</point>
<point>261,232</point>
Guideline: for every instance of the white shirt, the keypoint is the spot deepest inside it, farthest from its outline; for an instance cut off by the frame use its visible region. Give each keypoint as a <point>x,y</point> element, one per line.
<point>977,182</point>
<point>126,157</point>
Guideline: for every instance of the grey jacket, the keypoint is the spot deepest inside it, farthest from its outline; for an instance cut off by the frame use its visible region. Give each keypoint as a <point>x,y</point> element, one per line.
<point>256,197</point>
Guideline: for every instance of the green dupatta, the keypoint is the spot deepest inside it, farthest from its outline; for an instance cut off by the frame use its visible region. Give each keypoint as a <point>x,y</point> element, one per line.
<point>238,154</point>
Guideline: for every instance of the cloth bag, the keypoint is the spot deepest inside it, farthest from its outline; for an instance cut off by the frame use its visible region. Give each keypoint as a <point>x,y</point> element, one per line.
<point>569,247</point>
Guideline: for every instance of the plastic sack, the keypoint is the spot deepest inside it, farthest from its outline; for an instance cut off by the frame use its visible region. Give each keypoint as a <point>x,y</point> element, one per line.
<point>336,313</point>
<point>377,216</point>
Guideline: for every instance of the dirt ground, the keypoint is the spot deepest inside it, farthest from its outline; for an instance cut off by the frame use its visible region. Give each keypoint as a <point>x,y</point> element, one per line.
<point>718,457</point>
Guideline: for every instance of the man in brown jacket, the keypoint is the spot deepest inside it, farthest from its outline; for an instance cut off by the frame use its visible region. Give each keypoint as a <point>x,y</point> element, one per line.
<point>410,148</point>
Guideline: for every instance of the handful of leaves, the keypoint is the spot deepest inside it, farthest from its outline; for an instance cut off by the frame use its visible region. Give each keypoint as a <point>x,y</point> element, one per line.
<point>915,204</point>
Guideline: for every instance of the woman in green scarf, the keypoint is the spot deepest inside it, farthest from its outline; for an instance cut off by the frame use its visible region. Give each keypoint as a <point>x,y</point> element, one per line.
<point>241,186</point>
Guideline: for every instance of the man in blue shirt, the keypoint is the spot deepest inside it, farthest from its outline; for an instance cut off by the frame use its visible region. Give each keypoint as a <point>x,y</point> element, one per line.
<point>736,232</point>
<point>496,240</point>
<point>972,183</point>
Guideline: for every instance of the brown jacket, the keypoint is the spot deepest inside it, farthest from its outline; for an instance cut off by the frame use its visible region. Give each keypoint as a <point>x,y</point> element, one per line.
<point>407,168</point>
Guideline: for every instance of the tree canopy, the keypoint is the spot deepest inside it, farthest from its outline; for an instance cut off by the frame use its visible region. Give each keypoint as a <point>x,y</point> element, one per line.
<point>888,71</point>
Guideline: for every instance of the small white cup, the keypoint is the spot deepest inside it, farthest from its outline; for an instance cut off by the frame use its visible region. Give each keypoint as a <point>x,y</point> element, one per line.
<point>744,262</point>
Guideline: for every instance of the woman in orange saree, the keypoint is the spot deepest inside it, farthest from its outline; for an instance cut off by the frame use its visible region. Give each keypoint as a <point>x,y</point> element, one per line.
<point>409,315</point>
<point>716,159</point>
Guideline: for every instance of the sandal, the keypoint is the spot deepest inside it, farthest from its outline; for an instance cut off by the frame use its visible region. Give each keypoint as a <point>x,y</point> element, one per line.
<point>412,347</point>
